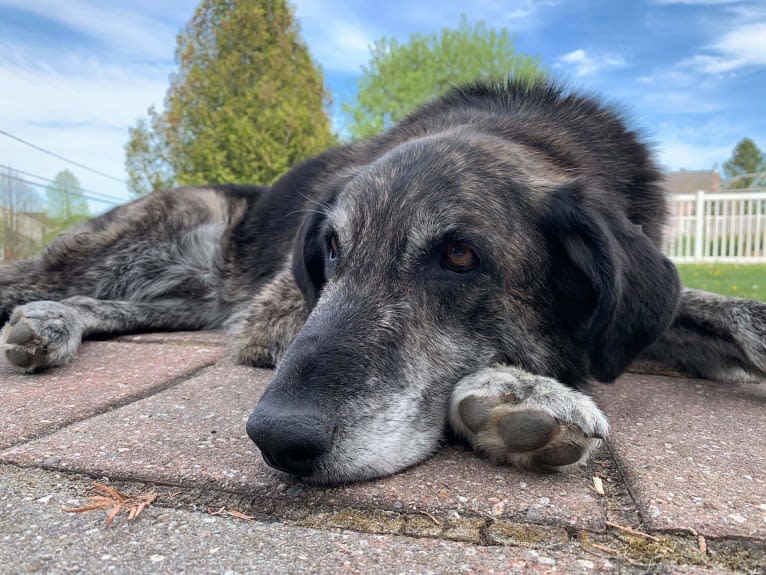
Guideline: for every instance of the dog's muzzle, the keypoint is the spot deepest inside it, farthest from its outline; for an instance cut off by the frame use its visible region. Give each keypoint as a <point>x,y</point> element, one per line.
<point>291,441</point>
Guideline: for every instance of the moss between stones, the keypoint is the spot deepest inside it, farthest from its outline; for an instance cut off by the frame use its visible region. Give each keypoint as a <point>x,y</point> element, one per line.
<point>525,535</point>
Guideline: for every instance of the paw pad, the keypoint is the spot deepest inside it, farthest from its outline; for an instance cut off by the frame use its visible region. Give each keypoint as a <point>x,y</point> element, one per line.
<point>530,421</point>
<point>40,334</point>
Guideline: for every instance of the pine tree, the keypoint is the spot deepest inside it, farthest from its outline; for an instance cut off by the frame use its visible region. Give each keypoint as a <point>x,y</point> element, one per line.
<point>746,158</point>
<point>246,103</point>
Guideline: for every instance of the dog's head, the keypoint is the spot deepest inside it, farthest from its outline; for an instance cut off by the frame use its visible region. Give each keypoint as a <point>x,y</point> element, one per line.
<point>448,254</point>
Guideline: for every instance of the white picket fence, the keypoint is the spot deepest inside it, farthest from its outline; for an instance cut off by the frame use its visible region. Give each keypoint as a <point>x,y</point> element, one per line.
<point>717,227</point>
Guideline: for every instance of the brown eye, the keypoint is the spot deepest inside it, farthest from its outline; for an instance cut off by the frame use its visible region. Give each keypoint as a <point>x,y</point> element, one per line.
<point>460,257</point>
<point>332,244</point>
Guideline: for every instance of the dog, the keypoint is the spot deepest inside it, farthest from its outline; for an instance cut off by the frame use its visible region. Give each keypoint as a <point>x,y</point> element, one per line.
<point>472,268</point>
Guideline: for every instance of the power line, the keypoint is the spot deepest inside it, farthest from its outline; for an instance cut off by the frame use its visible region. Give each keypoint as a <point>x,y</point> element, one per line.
<point>39,185</point>
<point>43,178</point>
<point>60,157</point>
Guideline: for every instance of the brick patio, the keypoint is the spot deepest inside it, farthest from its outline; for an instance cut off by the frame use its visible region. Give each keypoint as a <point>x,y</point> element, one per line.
<point>685,466</point>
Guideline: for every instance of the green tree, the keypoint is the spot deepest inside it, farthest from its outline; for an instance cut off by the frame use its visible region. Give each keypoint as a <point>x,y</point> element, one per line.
<point>146,156</point>
<point>400,77</point>
<point>21,221</point>
<point>65,201</point>
<point>746,158</point>
<point>246,103</point>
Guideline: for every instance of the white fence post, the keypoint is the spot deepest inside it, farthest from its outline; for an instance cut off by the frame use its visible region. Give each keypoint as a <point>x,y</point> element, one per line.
<point>727,226</point>
<point>699,225</point>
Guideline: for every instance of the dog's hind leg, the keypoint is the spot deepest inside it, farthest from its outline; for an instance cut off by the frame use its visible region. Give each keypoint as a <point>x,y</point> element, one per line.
<point>714,337</point>
<point>531,421</point>
<point>270,323</point>
<point>44,334</point>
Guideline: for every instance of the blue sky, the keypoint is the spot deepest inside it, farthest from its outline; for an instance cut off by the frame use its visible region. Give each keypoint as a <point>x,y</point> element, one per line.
<point>692,73</point>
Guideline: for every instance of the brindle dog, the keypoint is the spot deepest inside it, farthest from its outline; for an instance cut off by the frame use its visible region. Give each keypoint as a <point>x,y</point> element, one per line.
<point>472,266</point>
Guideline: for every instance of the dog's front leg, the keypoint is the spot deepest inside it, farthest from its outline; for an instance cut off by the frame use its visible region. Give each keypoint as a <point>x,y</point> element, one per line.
<point>45,334</point>
<point>531,421</point>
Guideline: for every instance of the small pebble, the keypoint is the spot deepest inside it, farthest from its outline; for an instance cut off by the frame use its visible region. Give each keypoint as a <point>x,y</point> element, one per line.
<point>294,491</point>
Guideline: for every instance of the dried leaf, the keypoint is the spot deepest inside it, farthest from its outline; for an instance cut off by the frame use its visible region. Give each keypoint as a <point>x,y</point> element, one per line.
<point>112,514</point>
<point>91,507</point>
<point>702,544</point>
<point>598,485</point>
<point>110,497</point>
<point>109,491</point>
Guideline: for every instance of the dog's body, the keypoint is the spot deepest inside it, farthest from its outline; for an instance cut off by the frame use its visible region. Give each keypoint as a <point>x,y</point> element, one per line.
<point>474,264</point>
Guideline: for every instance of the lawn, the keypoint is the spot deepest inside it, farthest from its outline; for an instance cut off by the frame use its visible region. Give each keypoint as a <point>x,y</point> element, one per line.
<point>741,280</point>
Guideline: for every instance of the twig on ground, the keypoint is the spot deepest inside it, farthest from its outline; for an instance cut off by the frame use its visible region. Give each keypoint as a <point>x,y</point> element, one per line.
<point>632,531</point>
<point>232,513</point>
<point>109,497</point>
<point>431,517</point>
<point>605,549</point>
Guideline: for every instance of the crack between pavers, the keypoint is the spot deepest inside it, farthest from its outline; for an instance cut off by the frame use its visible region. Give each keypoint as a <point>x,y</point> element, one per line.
<point>633,552</point>
<point>117,404</point>
<point>157,339</point>
<point>674,546</point>
<point>626,502</point>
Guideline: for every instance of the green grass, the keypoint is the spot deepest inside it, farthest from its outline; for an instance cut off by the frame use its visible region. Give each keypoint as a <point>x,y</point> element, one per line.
<point>740,280</point>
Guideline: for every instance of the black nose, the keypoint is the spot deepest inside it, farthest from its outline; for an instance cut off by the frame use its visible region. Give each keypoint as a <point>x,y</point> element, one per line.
<point>290,441</point>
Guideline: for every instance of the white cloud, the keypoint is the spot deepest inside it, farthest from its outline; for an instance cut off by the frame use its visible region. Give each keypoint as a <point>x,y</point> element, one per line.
<point>78,104</point>
<point>584,64</point>
<point>696,2</point>
<point>123,30</point>
<point>700,144</point>
<point>76,88</point>
<point>337,38</point>
<point>667,99</point>
<point>741,46</point>
<point>676,155</point>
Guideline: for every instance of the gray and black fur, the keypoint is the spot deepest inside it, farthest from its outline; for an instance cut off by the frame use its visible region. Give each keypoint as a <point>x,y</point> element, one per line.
<point>339,274</point>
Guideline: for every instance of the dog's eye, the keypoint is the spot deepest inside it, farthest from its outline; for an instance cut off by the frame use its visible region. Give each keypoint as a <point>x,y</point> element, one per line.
<point>332,247</point>
<point>460,257</point>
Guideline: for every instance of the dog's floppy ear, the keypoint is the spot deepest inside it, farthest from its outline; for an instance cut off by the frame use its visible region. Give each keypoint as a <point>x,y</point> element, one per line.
<point>309,258</point>
<point>614,292</point>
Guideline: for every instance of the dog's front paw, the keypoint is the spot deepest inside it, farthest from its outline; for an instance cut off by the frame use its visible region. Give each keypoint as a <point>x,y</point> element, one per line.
<point>41,334</point>
<point>530,421</point>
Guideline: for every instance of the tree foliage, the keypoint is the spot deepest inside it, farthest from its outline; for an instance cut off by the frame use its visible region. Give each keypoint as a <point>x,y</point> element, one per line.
<point>65,201</point>
<point>246,103</point>
<point>746,158</point>
<point>21,228</point>
<point>400,77</point>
